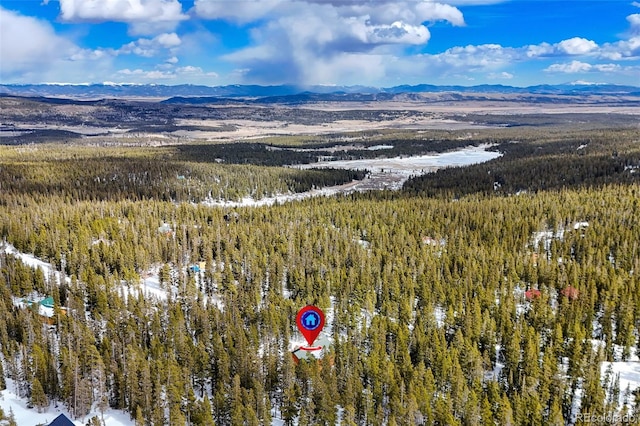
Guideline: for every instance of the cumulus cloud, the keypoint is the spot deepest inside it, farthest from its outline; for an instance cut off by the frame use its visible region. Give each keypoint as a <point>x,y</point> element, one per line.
<point>575,67</point>
<point>144,16</point>
<point>626,49</point>
<point>476,58</point>
<point>29,45</point>
<point>570,68</point>
<point>305,39</point>
<point>577,46</point>
<point>634,22</point>
<point>538,50</point>
<point>378,12</point>
<point>623,50</point>
<point>149,47</point>
<point>573,47</point>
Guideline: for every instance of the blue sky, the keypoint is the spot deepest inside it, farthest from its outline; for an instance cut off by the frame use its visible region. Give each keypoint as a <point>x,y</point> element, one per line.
<point>305,42</point>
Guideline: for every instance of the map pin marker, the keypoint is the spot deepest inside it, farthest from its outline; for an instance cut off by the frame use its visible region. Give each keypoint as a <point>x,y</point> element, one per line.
<point>310,320</point>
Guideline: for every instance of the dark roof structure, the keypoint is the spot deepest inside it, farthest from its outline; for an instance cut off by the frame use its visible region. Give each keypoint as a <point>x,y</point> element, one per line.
<point>61,420</point>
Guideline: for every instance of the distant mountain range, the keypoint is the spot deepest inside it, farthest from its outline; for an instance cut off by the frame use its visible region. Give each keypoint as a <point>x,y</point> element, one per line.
<point>187,93</point>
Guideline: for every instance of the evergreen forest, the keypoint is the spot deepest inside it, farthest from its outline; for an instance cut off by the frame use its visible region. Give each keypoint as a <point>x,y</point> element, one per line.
<point>493,294</point>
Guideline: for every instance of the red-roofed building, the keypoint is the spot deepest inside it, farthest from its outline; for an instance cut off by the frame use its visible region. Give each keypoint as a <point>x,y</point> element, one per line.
<point>570,293</point>
<point>532,294</point>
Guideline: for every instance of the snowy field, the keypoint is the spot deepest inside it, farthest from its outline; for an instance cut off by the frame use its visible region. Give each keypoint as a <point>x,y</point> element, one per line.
<point>413,165</point>
<point>386,173</point>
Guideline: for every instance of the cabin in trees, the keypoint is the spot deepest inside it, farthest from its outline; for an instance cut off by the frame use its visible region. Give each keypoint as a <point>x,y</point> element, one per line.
<point>197,267</point>
<point>44,308</point>
<point>532,294</point>
<point>165,229</point>
<point>570,292</point>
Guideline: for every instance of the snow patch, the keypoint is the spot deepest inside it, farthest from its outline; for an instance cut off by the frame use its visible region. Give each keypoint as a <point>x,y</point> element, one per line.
<point>10,401</point>
<point>379,147</point>
<point>628,374</point>
<point>35,263</point>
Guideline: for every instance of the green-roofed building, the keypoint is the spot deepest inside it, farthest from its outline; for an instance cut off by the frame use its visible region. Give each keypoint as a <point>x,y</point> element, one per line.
<point>47,302</point>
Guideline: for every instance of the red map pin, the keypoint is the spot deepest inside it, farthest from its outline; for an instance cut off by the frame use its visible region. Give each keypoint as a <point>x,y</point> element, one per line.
<point>310,320</point>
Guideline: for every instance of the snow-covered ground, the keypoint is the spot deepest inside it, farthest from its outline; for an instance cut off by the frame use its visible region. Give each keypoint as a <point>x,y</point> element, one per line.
<point>10,402</point>
<point>284,198</point>
<point>545,237</point>
<point>392,173</point>
<point>32,261</point>
<point>628,372</point>
<point>386,173</point>
<point>413,165</point>
<point>440,315</point>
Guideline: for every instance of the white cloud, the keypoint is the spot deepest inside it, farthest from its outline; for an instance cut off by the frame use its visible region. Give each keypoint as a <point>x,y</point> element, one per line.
<point>575,67</point>
<point>577,46</point>
<point>609,68</point>
<point>30,48</point>
<point>149,47</point>
<point>500,76</point>
<point>148,75</point>
<point>354,68</point>
<point>295,41</point>
<point>237,11</point>
<point>89,55</point>
<point>144,16</point>
<point>481,57</point>
<point>634,21</point>
<point>307,38</point>
<point>625,49</point>
<point>398,32</point>
<point>168,40</point>
<point>537,50</point>
<point>570,68</point>
<point>572,47</point>
<point>622,50</point>
<point>375,12</point>
<point>186,73</point>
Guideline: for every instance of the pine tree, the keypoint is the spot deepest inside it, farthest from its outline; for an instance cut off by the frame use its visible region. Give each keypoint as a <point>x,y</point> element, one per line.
<point>12,418</point>
<point>38,398</point>
<point>203,415</point>
<point>236,406</point>
<point>139,417</point>
<point>3,383</point>
<point>94,421</point>
<point>176,416</point>
<point>555,414</point>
